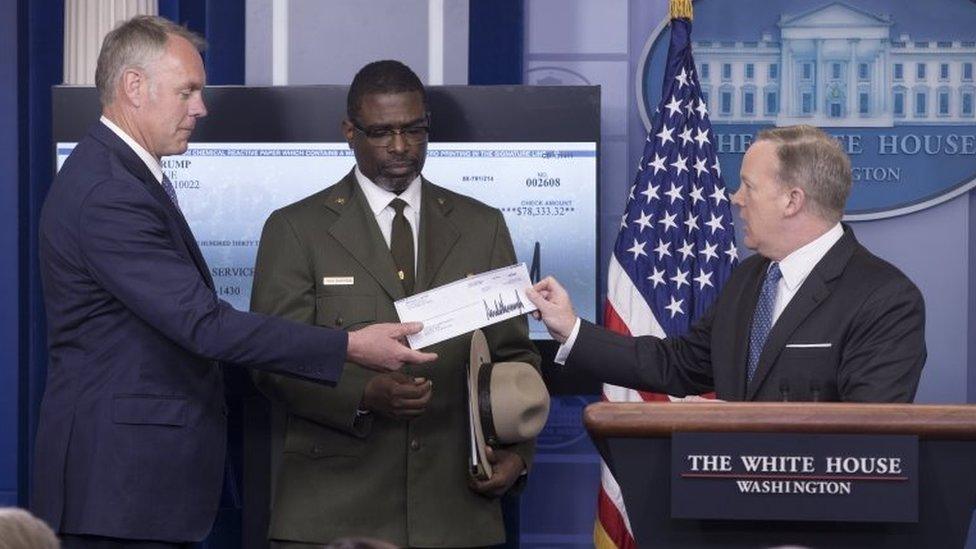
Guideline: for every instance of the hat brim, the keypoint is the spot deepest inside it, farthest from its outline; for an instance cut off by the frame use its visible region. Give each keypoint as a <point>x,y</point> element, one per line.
<point>479,356</point>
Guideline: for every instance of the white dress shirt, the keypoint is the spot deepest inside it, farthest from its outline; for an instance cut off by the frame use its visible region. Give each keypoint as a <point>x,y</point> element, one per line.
<point>379,203</point>
<point>143,154</point>
<point>795,267</point>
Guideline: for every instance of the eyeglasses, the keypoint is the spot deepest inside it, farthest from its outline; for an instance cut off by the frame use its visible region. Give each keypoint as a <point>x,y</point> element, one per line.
<point>413,135</point>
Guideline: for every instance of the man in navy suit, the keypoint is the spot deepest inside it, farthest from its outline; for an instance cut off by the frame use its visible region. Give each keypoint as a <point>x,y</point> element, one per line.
<point>131,437</point>
<point>811,316</point>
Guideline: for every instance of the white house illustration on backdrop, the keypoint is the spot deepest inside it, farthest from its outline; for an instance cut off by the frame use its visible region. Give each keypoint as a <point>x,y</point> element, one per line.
<point>838,66</point>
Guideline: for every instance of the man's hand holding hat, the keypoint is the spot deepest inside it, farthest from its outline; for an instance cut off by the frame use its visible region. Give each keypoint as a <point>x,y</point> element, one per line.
<point>508,405</point>
<point>506,466</point>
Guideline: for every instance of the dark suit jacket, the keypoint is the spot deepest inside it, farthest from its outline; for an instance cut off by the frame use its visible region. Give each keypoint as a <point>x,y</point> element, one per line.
<point>867,317</point>
<point>403,481</point>
<point>131,435</point>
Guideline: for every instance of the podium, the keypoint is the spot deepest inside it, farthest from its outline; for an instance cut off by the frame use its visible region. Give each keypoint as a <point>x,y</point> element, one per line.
<point>634,440</point>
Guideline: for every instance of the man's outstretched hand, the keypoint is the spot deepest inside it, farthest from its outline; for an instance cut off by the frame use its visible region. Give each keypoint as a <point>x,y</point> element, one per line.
<point>555,307</point>
<point>381,347</point>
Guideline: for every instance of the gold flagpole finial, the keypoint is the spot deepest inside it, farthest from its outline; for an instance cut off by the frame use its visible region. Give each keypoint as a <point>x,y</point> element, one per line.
<point>681,9</point>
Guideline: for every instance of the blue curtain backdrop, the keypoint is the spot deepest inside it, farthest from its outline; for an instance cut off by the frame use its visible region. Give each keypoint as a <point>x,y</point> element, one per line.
<point>10,372</point>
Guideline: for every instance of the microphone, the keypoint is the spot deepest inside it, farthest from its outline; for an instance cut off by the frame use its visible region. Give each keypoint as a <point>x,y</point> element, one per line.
<point>535,271</point>
<point>784,390</point>
<point>815,391</point>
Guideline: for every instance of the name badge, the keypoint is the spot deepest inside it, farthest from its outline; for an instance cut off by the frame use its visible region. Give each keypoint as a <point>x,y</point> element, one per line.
<point>338,280</point>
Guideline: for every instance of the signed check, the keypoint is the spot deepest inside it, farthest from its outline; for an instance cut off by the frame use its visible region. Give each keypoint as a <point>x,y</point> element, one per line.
<point>466,305</point>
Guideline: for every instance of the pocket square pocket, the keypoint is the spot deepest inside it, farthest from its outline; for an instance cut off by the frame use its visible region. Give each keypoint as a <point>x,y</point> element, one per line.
<point>809,345</point>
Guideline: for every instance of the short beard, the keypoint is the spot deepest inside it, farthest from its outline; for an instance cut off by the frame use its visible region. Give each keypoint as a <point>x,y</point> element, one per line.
<point>395,186</point>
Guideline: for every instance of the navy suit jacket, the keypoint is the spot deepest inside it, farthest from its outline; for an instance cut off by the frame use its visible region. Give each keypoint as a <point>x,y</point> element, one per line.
<point>132,427</point>
<point>854,331</point>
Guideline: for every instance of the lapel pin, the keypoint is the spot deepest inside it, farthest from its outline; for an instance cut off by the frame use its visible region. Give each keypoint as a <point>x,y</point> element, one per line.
<point>400,274</point>
<point>340,200</point>
<point>440,201</point>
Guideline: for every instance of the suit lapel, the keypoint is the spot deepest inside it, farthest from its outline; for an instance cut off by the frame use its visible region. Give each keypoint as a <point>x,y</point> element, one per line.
<point>138,168</point>
<point>357,231</point>
<point>437,234</point>
<point>814,290</point>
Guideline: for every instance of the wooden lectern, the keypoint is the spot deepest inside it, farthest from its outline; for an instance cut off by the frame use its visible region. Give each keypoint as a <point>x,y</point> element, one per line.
<point>635,442</point>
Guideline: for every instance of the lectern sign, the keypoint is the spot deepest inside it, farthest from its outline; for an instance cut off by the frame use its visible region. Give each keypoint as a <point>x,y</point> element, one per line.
<point>772,476</point>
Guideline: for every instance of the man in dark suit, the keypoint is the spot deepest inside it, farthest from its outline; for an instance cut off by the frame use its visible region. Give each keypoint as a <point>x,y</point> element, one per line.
<point>131,436</point>
<point>384,455</point>
<point>811,316</point>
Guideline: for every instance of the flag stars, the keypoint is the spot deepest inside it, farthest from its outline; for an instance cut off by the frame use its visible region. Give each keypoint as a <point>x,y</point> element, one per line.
<point>658,163</point>
<point>702,138</point>
<point>674,106</point>
<point>675,193</point>
<point>682,78</point>
<point>715,223</point>
<point>651,192</point>
<point>732,252</point>
<point>718,195</point>
<point>668,221</point>
<point>643,220</point>
<point>684,203</point>
<point>637,249</point>
<point>679,278</point>
<point>709,251</point>
<point>657,277</point>
<point>703,279</point>
<point>665,134</point>
<point>675,307</point>
<point>702,109</point>
<point>681,164</point>
<point>663,249</point>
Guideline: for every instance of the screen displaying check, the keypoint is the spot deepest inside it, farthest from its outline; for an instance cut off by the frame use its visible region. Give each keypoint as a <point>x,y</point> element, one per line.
<point>466,305</point>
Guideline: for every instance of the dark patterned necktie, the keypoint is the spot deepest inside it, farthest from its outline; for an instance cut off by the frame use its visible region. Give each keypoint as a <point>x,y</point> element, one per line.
<point>762,319</point>
<point>170,191</point>
<point>401,245</point>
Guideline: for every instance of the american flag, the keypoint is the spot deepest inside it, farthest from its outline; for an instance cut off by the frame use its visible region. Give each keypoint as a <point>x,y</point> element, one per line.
<point>676,246</point>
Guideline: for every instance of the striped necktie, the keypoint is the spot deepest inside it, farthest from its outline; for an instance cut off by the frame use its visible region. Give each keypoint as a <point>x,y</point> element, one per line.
<point>170,191</point>
<point>762,319</point>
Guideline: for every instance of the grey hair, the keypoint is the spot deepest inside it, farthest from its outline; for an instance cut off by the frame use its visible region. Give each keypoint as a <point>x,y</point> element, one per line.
<point>135,43</point>
<point>811,159</point>
<point>21,530</point>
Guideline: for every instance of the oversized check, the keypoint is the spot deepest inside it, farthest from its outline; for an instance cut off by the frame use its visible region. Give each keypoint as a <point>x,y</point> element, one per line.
<point>466,305</point>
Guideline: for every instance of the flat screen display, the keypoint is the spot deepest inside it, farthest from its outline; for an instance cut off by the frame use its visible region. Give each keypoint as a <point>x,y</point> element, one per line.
<point>546,191</point>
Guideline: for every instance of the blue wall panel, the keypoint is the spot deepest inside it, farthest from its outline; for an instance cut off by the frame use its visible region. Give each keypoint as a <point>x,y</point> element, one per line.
<point>495,42</point>
<point>9,251</point>
<point>222,24</point>
<point>42,34</point>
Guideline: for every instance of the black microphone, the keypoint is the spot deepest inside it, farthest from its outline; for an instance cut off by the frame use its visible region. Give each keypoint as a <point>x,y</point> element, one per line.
<point>815,391</point>
<point>535,271</point>
<point>784,390</point>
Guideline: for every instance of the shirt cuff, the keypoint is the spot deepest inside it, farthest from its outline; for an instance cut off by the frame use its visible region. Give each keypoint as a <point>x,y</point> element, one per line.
<point>567,347</point>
